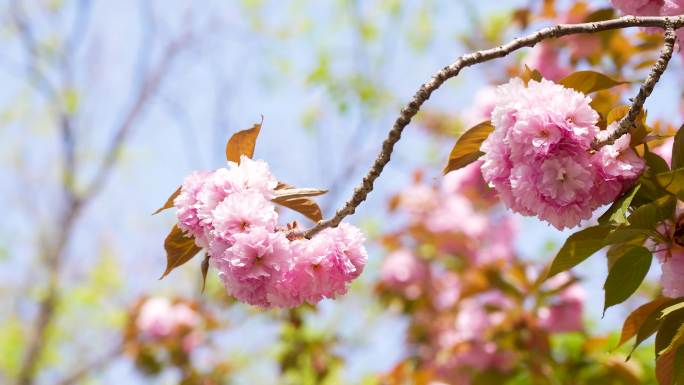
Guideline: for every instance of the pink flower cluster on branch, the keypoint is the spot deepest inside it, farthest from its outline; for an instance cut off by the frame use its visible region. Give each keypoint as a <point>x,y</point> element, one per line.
<point>229,213</point>
<point>539,156</point>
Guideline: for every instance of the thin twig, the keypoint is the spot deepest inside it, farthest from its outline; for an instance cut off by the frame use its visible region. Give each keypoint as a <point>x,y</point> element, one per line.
<point>658,68</point>
<point>149,88</point>
<point>450,71</point>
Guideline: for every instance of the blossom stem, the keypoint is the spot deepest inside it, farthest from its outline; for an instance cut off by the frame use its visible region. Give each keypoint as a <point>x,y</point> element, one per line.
<point>423,94</point>
<point>627,122</point>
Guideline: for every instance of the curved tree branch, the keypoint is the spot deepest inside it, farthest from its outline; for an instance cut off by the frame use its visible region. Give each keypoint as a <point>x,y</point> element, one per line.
<point>658,68</point>
<point>452,70</point>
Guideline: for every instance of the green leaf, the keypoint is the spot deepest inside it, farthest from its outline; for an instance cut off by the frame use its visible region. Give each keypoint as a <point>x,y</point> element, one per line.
<point>676,342</point>
<point>169,201</point>
<point>243,143</point>
<point>467,148</point>
<point>639,317</point>
<point>648,216</point>
<point>626,234</point>
<point>643,221</point>
<point>655,163</point>
<point>673,182</point>
<point>578,247</point>
<point>626,275</point>
<point>616,251</point>
<point>589,81</point>
<point>667,332</point>
<point>676,305</point>
<point>179,249</point>
<point>650,189</point>
<point>678,149</point>
<point>617,213</point>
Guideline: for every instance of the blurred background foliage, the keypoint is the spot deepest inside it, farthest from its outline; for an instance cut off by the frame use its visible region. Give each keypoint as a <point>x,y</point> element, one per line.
<point>104,106</point>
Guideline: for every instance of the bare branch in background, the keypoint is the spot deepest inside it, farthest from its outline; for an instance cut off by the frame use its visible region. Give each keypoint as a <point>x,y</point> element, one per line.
<point>52,254</point>
<point>452,70</point>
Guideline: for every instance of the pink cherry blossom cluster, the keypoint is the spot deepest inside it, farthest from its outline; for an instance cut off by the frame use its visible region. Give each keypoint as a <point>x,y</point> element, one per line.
<point>229,213</point>
<point>538,157</point>
<point>158,319</point>
<point>564,314</point>
<point>456,210</point>
<point>470,336</point>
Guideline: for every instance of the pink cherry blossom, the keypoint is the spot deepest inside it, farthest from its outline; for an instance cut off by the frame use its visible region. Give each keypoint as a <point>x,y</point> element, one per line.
<point>619,161</point>
<point>565,315</point>
<point>497,243</point>
<point>254,175</point>
<point>241,211</point>
<point>479,314</point>
<point>418,200</point>
<point>672,278</point>
<point>404,272</point>
<point>665,150</point>
<point>217,187</point>
<point>455,213</point>
<point>349,242</point>
<point>253,264</point>
<point>155,318</point>
<point>639,7</point>
<point>186,204</point>
<point>544,58</point>
<point>185,316</point>
<point>538,157</point>
<point>159,318</point>
<point>445,289</point>
<point>325,265</point>
<point>249,175</point>
<point>485,355</point>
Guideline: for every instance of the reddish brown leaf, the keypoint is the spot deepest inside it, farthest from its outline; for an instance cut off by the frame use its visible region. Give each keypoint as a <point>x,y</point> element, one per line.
<point>531,74</point>
<point>169,202</point>
<point>467,148</point>
<point>637,318</point>
<point>299,201</point>
<point>587,82</point>
<point>205,269</point>
<point>243,143</point>
<point>179,249</point>
<point>665,367</point>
